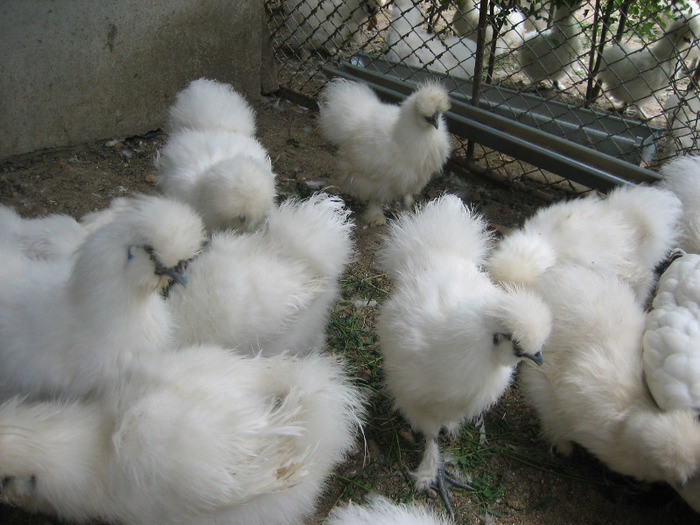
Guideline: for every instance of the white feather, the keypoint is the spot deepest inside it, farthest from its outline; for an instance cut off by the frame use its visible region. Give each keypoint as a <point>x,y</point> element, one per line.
<point>386,152</point>
<point>198,436</point>
<point>682,177</point>
<point>591,390</point>
<point>381,511</point>
<point>626,234</point>
<point>270,291</point>
<point>73,326</point>
<point>447,332</point>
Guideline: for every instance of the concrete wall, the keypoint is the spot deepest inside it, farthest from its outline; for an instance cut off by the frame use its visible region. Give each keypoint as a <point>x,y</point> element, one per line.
<point>77,70</point>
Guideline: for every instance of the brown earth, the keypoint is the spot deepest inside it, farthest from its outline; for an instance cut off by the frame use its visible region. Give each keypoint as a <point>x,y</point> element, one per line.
<point>520,481</point>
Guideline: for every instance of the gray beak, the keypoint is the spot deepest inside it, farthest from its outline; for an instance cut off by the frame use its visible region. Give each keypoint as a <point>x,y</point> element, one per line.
<point>434,120</point>
<point>537,358</point>
<point>177,273</point>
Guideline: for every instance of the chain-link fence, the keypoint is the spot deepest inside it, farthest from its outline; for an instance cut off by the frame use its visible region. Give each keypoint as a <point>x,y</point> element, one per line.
<point>607,85</point>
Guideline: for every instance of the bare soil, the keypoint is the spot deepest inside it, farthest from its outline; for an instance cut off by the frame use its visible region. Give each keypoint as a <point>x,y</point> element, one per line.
<point>523,483</point>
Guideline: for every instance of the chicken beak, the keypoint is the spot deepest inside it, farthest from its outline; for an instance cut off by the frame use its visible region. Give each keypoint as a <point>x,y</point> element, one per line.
<point>537,358</point>
<point>179,277</point>
<point>434,120</point>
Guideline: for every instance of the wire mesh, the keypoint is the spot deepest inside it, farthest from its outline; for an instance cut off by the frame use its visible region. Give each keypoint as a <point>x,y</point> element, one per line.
<point>617,76</point>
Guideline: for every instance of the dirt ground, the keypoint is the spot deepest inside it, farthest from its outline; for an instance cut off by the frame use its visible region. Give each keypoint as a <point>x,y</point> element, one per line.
<point>523,484</point>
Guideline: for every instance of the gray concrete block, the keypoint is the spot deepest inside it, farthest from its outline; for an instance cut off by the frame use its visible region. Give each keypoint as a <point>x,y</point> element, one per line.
<point>75,70</point>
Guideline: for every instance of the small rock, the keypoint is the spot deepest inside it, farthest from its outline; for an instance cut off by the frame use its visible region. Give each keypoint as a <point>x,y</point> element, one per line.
<point>150,178</point>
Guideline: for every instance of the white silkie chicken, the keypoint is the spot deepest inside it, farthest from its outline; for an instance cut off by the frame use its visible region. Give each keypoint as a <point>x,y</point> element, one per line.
<point>326,25</point>
<point>209,104</point>
<point>626,234</point>
<point>409,45</point>
<point>511,35</point>
<point>213,162</point>
<point>634,76</point>
<point>682,177</point>
<point>198,437</point>
<point>552,53</point>
<point>671,340</point>
<point>591,389</point>
<point>271,291</point>
<point>381,511</point>
<point>450,338</point>
<point>48,237</point>
<point>385,152</point>
<point>73,327</point>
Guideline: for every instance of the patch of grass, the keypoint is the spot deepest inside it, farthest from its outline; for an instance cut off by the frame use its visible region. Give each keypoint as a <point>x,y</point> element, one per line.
<point>291,141</point>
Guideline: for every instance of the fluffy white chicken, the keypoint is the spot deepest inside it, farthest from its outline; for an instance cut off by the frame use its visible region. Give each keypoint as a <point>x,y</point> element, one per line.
<point>226,177</point>
<point>551,54</point>
<point>271,291</point>
<point>450,338</point>
<point>49,237</point>
<point>465,22</point>
<point>409,45</point>
<point>199,436</point>
<point>326,25</point>
<point>671,340</point>
<point>209,104</point>
<point>591,389</point>
<point>634,76</point>
<point>385,151</point>
<point>682,177</point>
<point>381,511</point>
<point>72,327</point>
<point>627,234</point>
<point>212,161</point>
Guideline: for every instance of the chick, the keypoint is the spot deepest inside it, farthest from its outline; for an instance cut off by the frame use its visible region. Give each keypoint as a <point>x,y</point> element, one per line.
<point>385,151</point>
<point>409,45</point>
<point>682,177</point>
<point>73,327</point>
<point>672,336</point>
<point>591,389</point>
<point>198,436</point>
<point>626,234</point>
<point>227,178</point>
<point>271,291</point>
<point>635,76</point>
<point>209,104</point>
<point>213,162</point>
<point>550,54</point>
<point>450,338</point>
<point>381,511</point>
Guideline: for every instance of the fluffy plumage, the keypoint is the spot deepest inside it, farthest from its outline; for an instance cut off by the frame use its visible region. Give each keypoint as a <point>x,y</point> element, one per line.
<point>48,237</point>
<point>511,35</point>
<point>450,338</point>
<point>682,177</point>
<point>671,340</point>
<point>634,76</point>
<point>199,436</point>
<point>409,45</point>
<point>226,177</point>
<point>270,291</point>
<point>550,54</point>
<point>591,390</point>
<point>381,511</point>
<point>209,104</point>
<point>326,25</point>
<point>385,151</point>
<point>627,234</point>
<point>212,162</point>
<point>73,326</point>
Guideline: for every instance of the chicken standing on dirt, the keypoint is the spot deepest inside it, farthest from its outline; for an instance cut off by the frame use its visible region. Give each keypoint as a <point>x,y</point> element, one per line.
<point>450,338</point>
<point>385,151</point>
